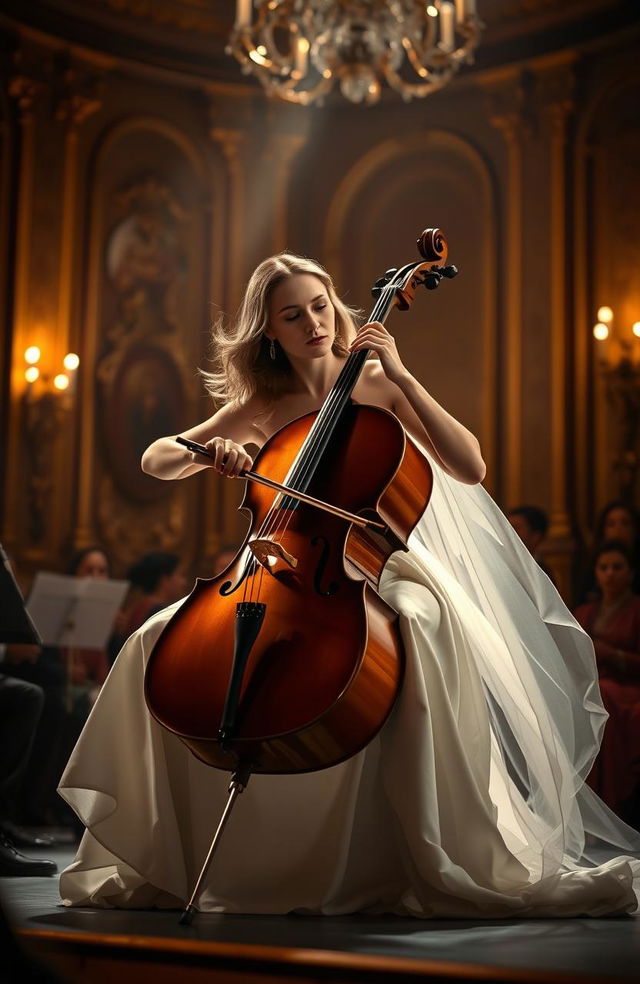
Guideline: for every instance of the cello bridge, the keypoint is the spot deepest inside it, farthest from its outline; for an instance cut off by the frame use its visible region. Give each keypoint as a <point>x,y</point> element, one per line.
<point>269,553</point>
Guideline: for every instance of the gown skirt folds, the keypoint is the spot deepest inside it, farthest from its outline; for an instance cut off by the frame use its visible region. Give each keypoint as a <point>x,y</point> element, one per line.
<point>471,802</point>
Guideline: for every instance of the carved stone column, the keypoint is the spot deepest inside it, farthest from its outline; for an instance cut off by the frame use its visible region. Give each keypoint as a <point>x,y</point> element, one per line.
<point>25,86</point>
<point>555,91</point>
<point>283,148</point>
<point>78,99</point>
<point>224,524</point>
<point>506,114</point>
<point>232,143</point>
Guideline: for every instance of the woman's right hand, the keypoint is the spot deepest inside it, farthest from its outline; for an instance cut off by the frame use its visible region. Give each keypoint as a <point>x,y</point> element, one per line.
<point>228,458</point>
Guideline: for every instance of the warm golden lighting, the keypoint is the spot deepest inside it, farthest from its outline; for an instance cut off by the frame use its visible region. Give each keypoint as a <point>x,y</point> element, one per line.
<point>61,381</point>
<point>31,374</point>
<point>32,354</point>
<point>71,361</point>
<point>605,314</point>
<point>635,328</point>
<point>600,331</point>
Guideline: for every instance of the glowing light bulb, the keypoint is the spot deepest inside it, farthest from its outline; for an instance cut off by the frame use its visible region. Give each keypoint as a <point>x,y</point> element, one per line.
<point>432,11</point>
<point>61,381</point>
<point>605,314</point>
<point>31,374</point>
<point>71,361</point>
<point>32,354</point>
<point>600,331</point>
<point>635,328</point>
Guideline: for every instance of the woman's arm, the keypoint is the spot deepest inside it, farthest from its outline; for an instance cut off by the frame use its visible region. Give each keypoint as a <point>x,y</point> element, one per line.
<point>453,446</point>
<point>224,434</point>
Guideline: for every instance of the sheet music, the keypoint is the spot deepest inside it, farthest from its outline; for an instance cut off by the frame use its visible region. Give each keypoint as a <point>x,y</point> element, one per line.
<point>74,611</point>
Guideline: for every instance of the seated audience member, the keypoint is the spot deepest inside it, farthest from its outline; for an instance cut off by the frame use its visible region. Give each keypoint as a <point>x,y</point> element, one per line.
<point>20,709</point>
<point>160,581</point>
<point>613,622</point>
<point>617,521</point>
<point>531,524</point>
<point>71,680</point>
<point>87,669</point>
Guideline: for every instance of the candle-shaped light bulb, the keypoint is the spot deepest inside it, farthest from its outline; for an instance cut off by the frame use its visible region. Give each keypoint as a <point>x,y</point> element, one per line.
<point>302,53</point>
<point>61,381</point>
<point>71,361</point>
<point>605,314</point>
<point>432,11</point>
<point>243,13</point>
<point>31,374</point>
<point>32,355</point>
<point>600,331</point>
<point>447,26</point>
<point>635,328</point>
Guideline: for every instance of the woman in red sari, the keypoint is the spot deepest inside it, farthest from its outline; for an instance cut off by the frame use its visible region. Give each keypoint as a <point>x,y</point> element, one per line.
<point>613,622</point>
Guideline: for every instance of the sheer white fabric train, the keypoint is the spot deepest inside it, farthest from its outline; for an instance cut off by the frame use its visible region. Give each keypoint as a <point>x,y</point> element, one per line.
<point>470,803</point>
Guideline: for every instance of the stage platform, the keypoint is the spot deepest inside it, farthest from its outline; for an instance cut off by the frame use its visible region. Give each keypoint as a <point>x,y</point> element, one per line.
<point>126,946</point>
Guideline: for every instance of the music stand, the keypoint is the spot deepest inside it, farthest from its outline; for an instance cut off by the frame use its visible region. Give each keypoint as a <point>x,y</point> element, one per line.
<point>16,625</point>
<point>75,612</point>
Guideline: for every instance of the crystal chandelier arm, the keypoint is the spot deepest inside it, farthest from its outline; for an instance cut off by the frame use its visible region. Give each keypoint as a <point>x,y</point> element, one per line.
<point>410,90</point>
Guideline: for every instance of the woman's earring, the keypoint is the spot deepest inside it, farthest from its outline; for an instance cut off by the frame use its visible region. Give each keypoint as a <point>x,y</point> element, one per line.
<point>272,349</point>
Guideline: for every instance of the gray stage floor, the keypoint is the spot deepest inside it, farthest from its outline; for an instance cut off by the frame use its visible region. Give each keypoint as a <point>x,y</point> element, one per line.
<point>594,949</point>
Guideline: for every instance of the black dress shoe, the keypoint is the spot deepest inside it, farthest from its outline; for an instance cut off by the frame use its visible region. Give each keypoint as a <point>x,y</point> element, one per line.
<point>13,863</point>
<point>21,837</point>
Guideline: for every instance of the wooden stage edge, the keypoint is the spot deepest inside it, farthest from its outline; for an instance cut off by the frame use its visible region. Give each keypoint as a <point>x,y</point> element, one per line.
<point>79,958</point>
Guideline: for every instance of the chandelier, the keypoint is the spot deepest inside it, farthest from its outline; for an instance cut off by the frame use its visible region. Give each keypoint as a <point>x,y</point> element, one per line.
<point>300,49</point>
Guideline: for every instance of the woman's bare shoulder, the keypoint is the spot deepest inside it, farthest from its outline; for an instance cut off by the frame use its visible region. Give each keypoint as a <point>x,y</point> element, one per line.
<point>238,421</point>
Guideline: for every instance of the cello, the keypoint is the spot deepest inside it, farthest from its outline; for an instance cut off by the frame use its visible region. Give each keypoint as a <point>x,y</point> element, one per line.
<point>290,661</point>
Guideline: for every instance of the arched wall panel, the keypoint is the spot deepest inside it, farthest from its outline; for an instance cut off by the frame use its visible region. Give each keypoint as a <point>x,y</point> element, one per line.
<point>448,337</point>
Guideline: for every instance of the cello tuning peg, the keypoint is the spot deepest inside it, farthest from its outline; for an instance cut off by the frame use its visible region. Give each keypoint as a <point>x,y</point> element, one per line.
<point>375,292</point>
<point>390,274</point>
<point>432,279</point>
<point>450,272</point>
<point>382,282</point>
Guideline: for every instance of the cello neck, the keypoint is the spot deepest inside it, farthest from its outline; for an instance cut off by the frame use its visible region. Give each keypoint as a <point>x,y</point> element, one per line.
<point>338,398</point>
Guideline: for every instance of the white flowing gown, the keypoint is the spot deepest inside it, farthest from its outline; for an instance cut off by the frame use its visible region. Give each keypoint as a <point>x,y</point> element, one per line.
<point>470,803</point>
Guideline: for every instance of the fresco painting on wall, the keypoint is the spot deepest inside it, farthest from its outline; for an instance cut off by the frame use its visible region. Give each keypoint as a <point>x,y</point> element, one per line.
<point>145,401</point>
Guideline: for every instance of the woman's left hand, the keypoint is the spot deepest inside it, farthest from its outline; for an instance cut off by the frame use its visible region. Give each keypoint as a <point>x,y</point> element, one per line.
<point>375,336</point>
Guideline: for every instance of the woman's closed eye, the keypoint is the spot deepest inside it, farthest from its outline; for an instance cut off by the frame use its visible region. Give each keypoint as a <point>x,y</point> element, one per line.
<point>292,317</point>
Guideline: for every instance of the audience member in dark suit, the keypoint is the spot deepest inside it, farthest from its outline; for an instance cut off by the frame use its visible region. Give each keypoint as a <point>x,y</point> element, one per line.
<point>21,705</point>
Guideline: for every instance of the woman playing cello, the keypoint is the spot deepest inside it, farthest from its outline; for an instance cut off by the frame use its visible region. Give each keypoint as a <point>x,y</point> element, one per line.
<point>471,800</point>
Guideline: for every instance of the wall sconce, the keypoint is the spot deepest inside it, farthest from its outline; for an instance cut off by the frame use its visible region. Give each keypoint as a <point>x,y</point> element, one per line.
<point>620,366</point>
<point>47,400</point>
<point>62,382</point>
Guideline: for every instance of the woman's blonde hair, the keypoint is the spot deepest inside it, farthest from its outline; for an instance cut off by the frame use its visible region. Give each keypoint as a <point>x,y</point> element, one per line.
<point>243,366</point>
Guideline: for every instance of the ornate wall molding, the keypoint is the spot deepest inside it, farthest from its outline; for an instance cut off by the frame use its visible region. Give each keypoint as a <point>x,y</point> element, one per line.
<point>134,319</point>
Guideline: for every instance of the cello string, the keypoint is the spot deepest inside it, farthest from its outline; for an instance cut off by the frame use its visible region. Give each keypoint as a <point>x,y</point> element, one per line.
<point>302,469</point>
<point>278,520</point>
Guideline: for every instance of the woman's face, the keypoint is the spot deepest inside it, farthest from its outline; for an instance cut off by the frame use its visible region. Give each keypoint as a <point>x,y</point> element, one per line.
<point>613,574</point>
<point>93,564</point>
<point>619,525</point>
<point>302,318</point>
